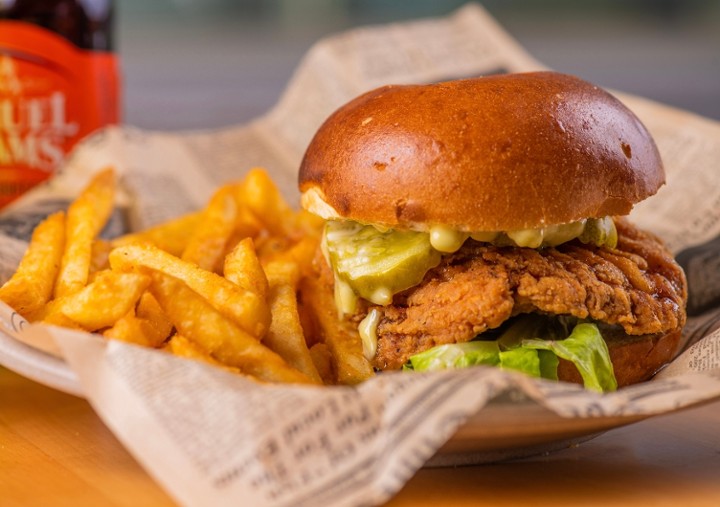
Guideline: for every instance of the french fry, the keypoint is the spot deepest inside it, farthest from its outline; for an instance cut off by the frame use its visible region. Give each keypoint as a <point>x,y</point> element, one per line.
<point>171,236</point>
<point>311,224</point>
<point>242,267</point>
<point>194,318</point>
<point>31,286</point>
<point>245,308</point>
<point>272,247</point>
<point>149,309</point>
<point>101,303</point>
<point>247,225</point>
<point>61,320</point>
<point>307,317</point>
<point>143,287</point>
<point>282,272</point>
<point>285,335</point>
<point>206,247</point>
<point>146,326</point>
<point>182,347</point>
<point>99,258</point>
<point>86,217</point>
<point>341,338</point>
<point>323,361</point>
<point>301,253</point>
<point>131,329</point>
<point>259,193</point>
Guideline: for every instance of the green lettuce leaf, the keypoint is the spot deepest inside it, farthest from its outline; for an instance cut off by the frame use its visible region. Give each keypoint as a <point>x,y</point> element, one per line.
<point>518,349</point>
<point>521,359</point>
<point>455,355</point>
<point>548,364</point>
<point>587,350</point>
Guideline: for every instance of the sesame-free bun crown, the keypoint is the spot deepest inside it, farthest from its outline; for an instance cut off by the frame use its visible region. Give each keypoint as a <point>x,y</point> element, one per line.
<point>487,154</point>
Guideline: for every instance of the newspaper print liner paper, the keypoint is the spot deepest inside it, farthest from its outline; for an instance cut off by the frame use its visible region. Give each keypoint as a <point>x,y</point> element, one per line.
<point>211,438</point>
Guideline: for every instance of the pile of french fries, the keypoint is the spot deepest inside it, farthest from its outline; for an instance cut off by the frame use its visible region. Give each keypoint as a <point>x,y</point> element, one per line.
<point>231,285</point>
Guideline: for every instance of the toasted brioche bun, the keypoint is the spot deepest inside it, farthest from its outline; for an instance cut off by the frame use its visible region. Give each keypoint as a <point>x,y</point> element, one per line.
<point>488,154</point>
<point>634,358</point>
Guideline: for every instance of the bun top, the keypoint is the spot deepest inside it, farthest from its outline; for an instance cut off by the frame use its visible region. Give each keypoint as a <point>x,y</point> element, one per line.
<point>495,153</point>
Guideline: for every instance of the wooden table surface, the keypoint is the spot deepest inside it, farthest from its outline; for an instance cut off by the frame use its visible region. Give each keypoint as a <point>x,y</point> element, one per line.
<point>54,451</point>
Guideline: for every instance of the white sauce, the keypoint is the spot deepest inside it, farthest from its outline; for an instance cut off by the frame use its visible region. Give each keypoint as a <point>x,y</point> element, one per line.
<point>368,333</point>
<point>345,297</point>
<point>447,240</point>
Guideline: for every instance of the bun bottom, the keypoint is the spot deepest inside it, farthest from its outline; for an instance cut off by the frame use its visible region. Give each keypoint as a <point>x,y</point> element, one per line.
<point>634,358</point>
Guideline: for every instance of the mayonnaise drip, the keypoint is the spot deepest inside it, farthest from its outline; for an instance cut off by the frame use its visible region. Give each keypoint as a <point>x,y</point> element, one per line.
<point>368,333</point>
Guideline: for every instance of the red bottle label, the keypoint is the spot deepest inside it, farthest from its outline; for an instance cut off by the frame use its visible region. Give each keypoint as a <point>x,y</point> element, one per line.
<point>52,94</point>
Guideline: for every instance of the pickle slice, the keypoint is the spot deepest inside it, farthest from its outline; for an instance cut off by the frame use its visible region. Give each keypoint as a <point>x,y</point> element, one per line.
<point>378,264</point>
<point>600,232</point>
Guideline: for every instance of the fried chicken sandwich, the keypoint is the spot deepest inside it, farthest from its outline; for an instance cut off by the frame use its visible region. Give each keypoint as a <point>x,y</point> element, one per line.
<point>481,221</point>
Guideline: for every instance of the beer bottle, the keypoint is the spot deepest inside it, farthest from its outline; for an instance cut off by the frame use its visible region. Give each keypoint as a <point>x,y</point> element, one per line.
<point>58,83</point>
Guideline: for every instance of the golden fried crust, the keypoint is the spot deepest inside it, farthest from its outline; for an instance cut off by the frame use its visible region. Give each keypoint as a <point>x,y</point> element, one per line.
<point>494,153</point>
<point>637,287</point>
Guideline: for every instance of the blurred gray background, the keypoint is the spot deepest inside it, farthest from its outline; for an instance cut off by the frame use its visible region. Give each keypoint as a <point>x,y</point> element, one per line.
<point>191,64</point>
